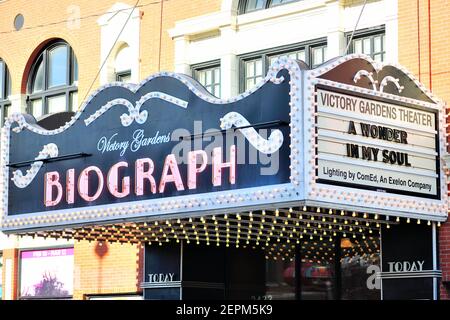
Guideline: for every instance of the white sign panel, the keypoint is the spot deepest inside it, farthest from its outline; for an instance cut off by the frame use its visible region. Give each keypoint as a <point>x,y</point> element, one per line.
<point>364,143</point>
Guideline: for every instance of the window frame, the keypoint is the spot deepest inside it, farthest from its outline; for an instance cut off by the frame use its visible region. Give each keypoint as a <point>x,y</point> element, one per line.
<point>5,92</point>
<point>121,74</point>
<point>19,272</point>
<point>242,8</point>
<point>67,90</point>
<point>323,48</point>
<point>243,77</point>
<point>4,112</point>
<point>205,66</point>
<point>364,33</point>
<point>265,55</point>
<point>1,274</point>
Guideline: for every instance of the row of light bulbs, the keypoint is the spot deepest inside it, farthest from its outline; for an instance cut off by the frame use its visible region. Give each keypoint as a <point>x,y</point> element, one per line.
<point>265,229</point>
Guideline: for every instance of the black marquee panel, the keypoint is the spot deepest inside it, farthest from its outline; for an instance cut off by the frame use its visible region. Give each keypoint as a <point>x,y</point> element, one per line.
<point>179,118</point>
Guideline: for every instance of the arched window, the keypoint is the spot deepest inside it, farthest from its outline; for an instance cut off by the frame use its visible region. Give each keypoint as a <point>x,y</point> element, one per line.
<point>53,81</point>
<point>5,90</point>
<point>253,5</point>
<point>122,64</point>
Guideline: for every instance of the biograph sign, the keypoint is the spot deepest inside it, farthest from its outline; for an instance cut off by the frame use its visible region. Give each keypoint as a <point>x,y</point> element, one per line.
<point>165,145</point>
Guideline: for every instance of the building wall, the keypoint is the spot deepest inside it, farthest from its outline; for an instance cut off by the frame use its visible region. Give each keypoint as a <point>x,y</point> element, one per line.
<point>110,269</point>
<point>424,25</point>
<point>225,35</point>
<point>198,31</point>
<point>172,36</point>
<point>101,268</point>
<point>9,274</point>
<point>10,248</point>
<point>19,48</point>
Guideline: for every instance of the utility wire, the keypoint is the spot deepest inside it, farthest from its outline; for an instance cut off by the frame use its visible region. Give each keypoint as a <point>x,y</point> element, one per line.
<point>94,15</point>
<point>111,49</point>
<point>356,26</point>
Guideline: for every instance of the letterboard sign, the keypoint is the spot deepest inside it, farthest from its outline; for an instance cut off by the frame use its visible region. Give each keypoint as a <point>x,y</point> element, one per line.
<point>376,145</point>
<point>376,139</point>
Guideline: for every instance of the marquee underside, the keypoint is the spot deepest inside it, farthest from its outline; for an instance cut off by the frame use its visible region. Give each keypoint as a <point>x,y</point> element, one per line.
<point>277,232</point>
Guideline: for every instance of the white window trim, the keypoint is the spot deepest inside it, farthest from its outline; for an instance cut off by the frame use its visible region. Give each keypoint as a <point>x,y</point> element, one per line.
<point>110,25</point>
<point>225,35</point>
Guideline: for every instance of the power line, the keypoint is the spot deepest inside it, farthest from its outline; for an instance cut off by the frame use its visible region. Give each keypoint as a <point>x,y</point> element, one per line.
<point>160,35</point>
<point>4,1</point>
<point>356,26</point>
<point>111,49</point>
<point>94,15</point>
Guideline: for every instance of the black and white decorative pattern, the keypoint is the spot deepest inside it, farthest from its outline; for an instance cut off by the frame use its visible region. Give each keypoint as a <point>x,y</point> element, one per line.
<point>267,146</point>
<point>207,202</point>
<point>22,181</point>
<point>135,113</point>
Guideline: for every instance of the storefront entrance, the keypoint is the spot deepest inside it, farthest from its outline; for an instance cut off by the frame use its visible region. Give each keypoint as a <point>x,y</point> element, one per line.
<point>396,260</point>
<point>344,268</point>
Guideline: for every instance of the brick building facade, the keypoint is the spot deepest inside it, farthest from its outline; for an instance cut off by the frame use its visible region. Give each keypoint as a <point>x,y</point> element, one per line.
<point>111,269</point>
<point>423,42</point>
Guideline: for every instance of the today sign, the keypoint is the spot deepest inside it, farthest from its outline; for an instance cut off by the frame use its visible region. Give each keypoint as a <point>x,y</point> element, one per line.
<point>160,277</point>
<point>406,266</point>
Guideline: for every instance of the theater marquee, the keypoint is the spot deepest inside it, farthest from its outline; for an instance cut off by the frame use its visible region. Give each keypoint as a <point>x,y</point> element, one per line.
<point>346,135</point>
<point>165,146</point>
<point>376,139</point>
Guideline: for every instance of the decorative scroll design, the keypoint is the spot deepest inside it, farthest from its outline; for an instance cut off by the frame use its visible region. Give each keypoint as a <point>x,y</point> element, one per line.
<point>266,146</point>
<point>374,83</point>
<point>135,113</point>
<point>19,119</point>
<point>191,84</point>
<point>22,181</point>
<point>368,75</point>
<point>388,79</point>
